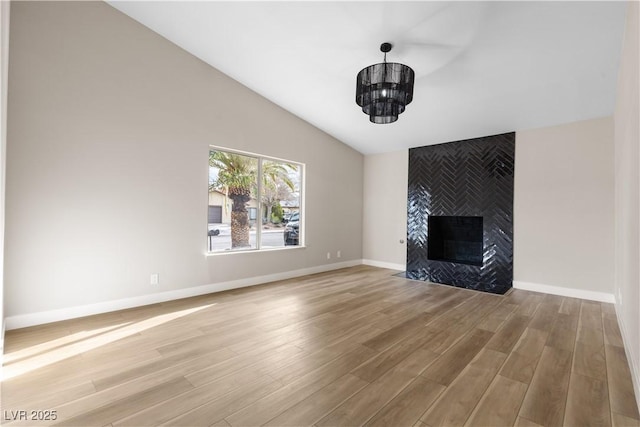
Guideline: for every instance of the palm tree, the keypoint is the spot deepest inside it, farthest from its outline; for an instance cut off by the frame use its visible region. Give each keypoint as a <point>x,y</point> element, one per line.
<point>238,175</point>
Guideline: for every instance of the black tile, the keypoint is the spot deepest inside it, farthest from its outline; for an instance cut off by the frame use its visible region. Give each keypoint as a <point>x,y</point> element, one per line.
<point>473,177</point>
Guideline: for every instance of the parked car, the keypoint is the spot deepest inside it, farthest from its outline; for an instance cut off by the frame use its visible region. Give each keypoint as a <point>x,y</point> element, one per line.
<point>295,216</point>
<point>292,233</point>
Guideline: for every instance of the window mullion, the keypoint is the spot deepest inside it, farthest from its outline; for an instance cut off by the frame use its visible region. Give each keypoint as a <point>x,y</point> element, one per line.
<point>259,203</point>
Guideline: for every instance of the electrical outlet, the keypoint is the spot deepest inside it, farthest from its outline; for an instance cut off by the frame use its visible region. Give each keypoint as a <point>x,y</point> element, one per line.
<point>328,255</point>
<point>338,254</point>
<point>155,278</point>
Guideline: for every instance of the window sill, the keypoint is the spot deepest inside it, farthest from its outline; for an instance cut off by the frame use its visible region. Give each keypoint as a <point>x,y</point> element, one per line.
<point>254,251</point>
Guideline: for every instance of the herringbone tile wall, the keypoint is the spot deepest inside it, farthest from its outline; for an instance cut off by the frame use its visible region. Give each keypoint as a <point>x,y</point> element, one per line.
<point>473,177</point>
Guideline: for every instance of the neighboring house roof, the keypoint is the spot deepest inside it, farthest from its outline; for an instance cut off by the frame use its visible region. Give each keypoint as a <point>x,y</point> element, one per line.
<point>213,190</point>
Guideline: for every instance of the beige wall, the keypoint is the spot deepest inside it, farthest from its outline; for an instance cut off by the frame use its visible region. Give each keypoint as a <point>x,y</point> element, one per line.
<point>563,206</point>
<point>107,177</point>
<point>385,209</point>
<point>627,192</point>
<point>4,56</point>
<point>560,173</point>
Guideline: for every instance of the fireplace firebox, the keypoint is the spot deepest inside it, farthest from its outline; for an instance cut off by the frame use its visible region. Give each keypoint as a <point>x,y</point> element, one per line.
<point>455,239</point>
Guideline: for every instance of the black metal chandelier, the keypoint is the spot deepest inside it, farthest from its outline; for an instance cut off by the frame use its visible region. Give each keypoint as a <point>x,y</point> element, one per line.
<point>384,90</point>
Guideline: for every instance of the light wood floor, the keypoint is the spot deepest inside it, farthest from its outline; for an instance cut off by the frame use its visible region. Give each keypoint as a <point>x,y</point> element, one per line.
<point>351,347</point>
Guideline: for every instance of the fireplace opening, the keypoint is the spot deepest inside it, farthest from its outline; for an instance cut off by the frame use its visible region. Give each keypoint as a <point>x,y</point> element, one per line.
<point>455,239</point>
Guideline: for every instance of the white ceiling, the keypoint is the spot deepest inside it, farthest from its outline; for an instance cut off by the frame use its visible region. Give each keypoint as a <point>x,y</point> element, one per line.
<point>482,68</point>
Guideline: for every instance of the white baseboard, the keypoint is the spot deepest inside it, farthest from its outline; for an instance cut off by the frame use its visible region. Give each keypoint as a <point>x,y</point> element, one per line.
<point>565,292</point>
<point>634,363</point>
<point>39,318</point>
<point>32,319</point>
<point>382,264</point>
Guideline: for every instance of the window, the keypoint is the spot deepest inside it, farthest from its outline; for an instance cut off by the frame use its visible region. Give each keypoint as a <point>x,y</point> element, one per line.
<point>253,214</point>
<point>260,202</point>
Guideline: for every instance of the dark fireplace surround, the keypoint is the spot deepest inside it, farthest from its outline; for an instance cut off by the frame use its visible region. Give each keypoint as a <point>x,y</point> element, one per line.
<point>460,213</point>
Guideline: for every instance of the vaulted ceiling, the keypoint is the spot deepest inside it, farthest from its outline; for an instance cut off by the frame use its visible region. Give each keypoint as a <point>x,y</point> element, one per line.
<point>482,68</point>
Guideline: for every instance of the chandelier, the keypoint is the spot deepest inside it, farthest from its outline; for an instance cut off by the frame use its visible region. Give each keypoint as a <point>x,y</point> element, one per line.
<point>383,90</point>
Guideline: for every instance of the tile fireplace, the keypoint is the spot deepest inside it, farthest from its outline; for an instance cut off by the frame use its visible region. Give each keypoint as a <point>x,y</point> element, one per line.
<point>460,213</point>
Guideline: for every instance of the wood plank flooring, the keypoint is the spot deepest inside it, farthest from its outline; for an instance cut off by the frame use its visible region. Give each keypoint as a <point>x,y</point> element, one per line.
<point>356,346</point>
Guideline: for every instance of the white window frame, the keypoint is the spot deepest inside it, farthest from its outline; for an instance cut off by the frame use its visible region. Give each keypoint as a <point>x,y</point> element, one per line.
<point>301,229</point>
